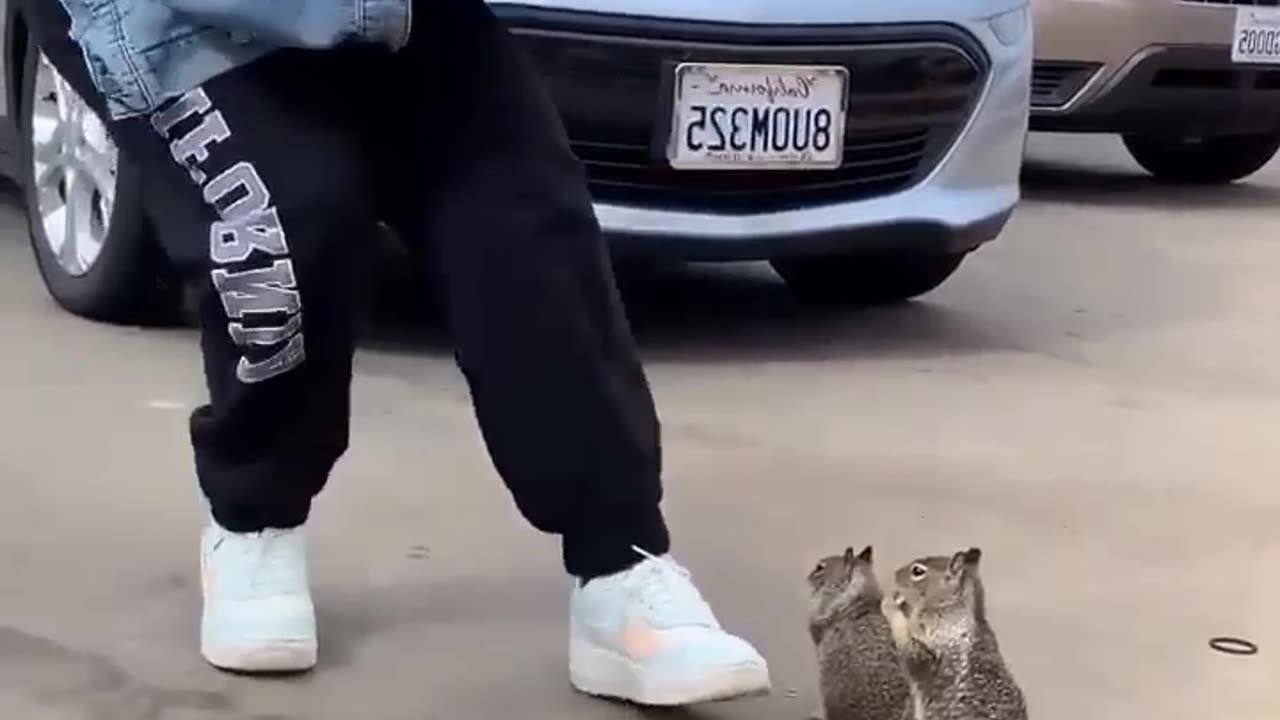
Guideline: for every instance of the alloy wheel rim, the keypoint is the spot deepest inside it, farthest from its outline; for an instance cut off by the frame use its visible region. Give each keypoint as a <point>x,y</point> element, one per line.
<point>74,165</point>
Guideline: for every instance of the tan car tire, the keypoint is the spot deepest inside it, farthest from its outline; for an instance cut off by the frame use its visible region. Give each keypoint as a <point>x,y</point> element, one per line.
<point>1204,161</point>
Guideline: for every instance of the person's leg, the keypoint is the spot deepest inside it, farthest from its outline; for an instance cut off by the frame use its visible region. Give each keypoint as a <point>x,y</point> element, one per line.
<point>256,191</point>
<point>541,336</point>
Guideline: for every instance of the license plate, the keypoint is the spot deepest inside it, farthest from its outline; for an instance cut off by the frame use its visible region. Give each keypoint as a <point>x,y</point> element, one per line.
<point>1256,38</point>
<point>758,117</point>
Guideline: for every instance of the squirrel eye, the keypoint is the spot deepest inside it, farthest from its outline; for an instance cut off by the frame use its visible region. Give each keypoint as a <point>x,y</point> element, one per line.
<point>918,571</point>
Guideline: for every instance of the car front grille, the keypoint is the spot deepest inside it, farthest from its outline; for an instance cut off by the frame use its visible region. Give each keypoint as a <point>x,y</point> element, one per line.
<point>910,94</point>
<point>1054,83</point>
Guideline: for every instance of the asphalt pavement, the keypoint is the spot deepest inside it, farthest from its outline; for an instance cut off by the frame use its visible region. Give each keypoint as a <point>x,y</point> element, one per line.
<point>1093,400</point>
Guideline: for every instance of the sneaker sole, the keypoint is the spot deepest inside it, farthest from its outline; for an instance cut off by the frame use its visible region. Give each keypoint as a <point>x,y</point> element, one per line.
<point>276,657</point>
<point>604,673</point>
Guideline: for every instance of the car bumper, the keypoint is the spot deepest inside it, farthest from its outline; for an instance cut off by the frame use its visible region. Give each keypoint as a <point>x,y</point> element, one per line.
<point>1186,91</point>
<point>1146,66</point>
<point>956,193</point>
<point>1109,32</point>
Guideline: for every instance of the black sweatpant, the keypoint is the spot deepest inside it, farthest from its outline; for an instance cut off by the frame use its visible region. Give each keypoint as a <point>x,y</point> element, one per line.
<point>263,183</point>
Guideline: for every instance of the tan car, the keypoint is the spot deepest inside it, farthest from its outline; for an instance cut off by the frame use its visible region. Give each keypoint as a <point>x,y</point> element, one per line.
<point>1192,86</point>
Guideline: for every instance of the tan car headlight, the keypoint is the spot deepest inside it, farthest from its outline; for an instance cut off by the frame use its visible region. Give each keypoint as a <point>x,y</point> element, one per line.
<point>1011,27</point>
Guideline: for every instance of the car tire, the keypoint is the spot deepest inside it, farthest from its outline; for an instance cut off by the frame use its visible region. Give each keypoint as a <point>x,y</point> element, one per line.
<point>866,279</point>
<point>126,278</point>
<point>1206,161</point>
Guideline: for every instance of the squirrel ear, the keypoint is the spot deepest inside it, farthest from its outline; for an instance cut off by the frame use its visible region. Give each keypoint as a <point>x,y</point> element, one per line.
<point>865,555</point>
<point>848,556</point>
<point>964,560</point>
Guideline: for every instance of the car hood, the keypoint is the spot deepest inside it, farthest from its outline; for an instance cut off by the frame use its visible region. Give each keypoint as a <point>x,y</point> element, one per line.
<point>784,12</point>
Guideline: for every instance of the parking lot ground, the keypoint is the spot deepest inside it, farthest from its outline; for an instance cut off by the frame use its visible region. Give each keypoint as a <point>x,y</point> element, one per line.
<point>1094,400</point>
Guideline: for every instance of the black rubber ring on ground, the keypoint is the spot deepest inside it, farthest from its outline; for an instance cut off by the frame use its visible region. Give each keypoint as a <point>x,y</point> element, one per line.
<point>1233,646</point>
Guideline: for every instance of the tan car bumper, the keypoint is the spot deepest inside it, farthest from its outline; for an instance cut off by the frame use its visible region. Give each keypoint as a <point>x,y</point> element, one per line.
<point>1146,66</point>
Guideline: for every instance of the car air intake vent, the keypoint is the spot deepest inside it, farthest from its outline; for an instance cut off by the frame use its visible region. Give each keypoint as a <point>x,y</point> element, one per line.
<point>1054,83</point>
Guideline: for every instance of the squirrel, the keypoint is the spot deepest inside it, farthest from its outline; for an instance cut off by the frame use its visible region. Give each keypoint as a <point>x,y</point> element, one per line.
<point>947,645</point>
<point>860,674</point>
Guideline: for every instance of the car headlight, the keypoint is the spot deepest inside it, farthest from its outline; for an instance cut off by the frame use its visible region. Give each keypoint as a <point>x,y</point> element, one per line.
<point>1010,27</point>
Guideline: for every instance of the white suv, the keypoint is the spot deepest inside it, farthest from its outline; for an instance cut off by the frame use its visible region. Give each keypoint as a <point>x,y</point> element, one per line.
<point>864,148</point>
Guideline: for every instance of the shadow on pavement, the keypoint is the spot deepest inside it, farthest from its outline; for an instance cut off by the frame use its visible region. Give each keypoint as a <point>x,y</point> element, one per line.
<point>744,312</point>
<point>1050,181</point>
<point>719,313</point>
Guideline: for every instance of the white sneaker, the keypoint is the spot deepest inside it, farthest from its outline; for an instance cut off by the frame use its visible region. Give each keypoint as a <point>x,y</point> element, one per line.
<point>258,615</point>
<point>647,636</point>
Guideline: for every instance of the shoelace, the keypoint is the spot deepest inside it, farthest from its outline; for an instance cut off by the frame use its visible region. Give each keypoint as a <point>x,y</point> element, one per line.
<point>665,588</point>
<point>277,569</point>
<point>273,570</point>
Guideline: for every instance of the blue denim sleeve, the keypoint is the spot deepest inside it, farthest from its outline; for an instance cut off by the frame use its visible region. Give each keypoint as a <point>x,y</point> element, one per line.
<point>303,23</point>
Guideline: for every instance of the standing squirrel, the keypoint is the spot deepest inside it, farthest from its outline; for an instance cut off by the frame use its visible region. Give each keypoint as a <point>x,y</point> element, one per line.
<point>860,674</point>
<point>948,648</point>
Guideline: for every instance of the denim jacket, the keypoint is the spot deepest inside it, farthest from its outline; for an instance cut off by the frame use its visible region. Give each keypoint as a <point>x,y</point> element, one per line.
<point>143,52</point>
